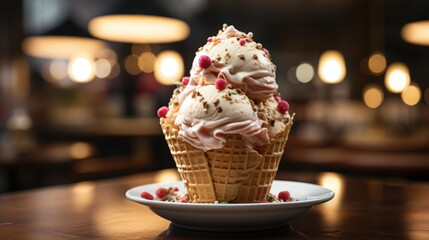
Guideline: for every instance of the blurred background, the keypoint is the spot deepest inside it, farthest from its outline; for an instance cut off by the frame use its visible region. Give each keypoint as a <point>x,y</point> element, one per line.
<point>80,85</point>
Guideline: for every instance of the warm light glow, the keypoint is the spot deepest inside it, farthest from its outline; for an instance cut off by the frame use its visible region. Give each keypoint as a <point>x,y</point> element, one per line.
<point>304,72</point>
<point>332,68</point>
<point>167,175</point>
<point>60,47</point>
<point>58,69</point>
<point>108,54</point>
<point>146,62</point>
<point>335,183</point>
<point>416,32</point>
<point>81,69</point>
<point>102,68</point>
<point>377,63</point>
<point>411,94</point>
<point>138,29</point>
<point>373,96</point>
<point>81,150</point>
<point>397,77</point>
<point>169,67</point>
<point>131,65</point>
<point>138,49</point>
<point>83,195</point>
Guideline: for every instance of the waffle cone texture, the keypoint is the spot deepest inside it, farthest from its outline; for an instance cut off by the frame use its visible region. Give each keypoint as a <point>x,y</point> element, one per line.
<point>234,173</point>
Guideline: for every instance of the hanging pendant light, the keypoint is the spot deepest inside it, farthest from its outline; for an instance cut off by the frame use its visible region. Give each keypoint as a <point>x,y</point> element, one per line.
<point>138,29</point>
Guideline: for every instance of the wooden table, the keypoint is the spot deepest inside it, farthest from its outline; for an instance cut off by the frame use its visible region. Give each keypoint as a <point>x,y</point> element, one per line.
<point>363,208</point>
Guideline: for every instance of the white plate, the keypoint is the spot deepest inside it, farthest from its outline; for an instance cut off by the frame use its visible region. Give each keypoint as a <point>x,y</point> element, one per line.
<point>235,216</point>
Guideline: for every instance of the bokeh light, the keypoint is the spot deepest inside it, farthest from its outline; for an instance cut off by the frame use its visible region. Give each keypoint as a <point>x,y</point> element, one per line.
<point>377,63</point>
<point>131,65</point>
<point>169,67</point>
<point>146,62</point>
<point>411,95</point>
<point>102,68</point>
<point>373,96</point>
<point>416,32</point>
<point>304,72</point>
<point>332,67</point>
<point>81,150</point>
<point>81,69</point>
<point>397,77</point>
<point>58,69</point>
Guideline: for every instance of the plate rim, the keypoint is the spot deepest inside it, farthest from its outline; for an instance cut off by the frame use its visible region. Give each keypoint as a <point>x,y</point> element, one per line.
<point>325,197</point>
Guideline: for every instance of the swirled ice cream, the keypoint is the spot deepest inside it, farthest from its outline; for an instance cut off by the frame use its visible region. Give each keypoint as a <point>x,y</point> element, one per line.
<point>208,114</point>
<point>237,58</point>
<point>254,108</point>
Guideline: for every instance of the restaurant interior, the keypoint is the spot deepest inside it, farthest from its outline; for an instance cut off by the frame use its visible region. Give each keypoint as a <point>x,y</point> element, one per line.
<point>81,82</point>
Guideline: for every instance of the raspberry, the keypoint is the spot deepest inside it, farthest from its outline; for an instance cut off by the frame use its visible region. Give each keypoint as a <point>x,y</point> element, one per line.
<point>220,84</point>
<point>277,99</point>
<point>284,195</point>
<point>242,41</point>
<point>146,195</point>
<point>183,200</point>
<point>162,112</point>
<point>185,80</point>
<point>204,61</point>
<point>161,192</point>
<point>266,52</point>
<point>176,189</point>
<point>283,107</point>
<point>209,39</point>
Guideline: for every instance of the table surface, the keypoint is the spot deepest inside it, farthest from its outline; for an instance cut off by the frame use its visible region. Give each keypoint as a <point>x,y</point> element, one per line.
<point>363,208</point>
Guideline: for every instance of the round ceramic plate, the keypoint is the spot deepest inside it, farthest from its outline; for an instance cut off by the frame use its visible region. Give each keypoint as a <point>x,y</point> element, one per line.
<point>235,216</point>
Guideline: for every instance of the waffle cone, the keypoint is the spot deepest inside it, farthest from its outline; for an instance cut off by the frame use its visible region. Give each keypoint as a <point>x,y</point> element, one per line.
<point>231,166</point>
<point>258,185</point>
<point>214,175</point>
<point>191,164</point>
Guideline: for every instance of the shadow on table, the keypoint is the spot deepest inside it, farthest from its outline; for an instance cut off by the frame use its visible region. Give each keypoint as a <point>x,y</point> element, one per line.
<point>286,232</point>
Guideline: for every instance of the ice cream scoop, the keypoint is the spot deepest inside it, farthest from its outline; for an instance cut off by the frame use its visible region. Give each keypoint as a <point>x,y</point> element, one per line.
<point>208,114</point>
<point>237,58</point>
<point>275,118</point>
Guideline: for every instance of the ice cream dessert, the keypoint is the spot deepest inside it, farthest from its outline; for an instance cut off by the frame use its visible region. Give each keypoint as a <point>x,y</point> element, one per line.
<point>226,125</point>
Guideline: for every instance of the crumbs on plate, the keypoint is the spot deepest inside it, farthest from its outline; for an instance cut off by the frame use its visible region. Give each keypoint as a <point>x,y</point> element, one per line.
<point>172,194</point>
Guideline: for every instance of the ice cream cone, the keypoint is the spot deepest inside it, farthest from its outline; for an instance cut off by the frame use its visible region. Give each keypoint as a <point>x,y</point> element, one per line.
<point>192,166</point>
<point>214,175</point>
<point>258,185</point>
<point>226,124</point>
<point>231,166</point>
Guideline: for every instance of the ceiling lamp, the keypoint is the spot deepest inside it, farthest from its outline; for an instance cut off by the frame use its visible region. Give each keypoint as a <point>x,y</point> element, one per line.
<point>138,29</point>
<point>332,67</point>
<point>416,32</point>
<point>61,47</point>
